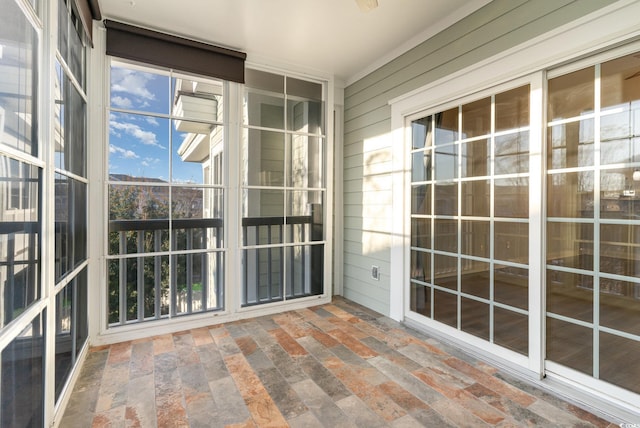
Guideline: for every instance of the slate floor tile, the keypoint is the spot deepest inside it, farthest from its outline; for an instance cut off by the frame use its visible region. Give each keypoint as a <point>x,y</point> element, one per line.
<point>334,365</point>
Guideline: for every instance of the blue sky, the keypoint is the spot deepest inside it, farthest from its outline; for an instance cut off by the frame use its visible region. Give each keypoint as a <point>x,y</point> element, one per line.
<point>141,144</point>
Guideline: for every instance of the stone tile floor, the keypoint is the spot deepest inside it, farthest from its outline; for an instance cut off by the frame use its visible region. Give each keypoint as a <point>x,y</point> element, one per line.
<point>336,365</point>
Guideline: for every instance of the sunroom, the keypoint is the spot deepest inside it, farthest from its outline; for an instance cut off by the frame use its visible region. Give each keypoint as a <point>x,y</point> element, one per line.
<point>464,168</point>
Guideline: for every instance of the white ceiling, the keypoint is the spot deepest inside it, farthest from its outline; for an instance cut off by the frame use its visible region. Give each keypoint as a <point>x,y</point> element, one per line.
<point>317,36</point>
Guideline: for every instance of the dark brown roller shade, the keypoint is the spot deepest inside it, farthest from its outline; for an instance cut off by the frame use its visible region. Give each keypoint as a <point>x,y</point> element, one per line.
<point>88,10</point>
<point>151,47</point>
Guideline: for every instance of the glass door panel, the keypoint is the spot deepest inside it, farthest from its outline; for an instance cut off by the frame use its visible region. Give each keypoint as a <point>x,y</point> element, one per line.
<point>593,225</point>
<point>470,218</point>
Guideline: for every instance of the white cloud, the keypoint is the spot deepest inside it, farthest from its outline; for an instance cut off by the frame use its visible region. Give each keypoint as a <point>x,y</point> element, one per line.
<point>147,138</point>
<point>150,161</point>
<point>127,154</point>
<point>121,102</point>
<point>152,121</point>
<point>131,82</point>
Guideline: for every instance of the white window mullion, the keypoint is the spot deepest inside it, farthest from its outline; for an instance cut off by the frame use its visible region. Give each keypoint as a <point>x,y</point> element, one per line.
<point>537,232</point>
<point>233,195</point>
<point>596,225</point>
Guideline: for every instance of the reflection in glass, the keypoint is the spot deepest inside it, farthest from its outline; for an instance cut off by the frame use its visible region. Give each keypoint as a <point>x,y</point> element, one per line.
<point>512,109</point>
<point>445,269</point>
<point>615,364</point>
<point>620,150</point>
<point>445,308</point>
<point>64,343</point>
<point>511,286</point>
<point>446,124</point>
<point>618,87</point>
<point>421,166</point>
<point>19,95</point>
<point>620,305</point>
<point>570,144</point>
<point>263,158</point>
<point>570,194</point>
<point>446,198</point>
<point>263,203</point>
<point>421,232</point>
<point>70,112</point>
<point>304,161</point>
<point>467,207</point>
<point>421,199</point>
<point>420,299</point>
<point>446,235</point>
<point>421,133</point>
<point>475,278</point>
<point>264,110</point>
<point>511,330</point>
<point>70,136</point>
<point>475,318</point>
<point>19,238</point>
<point>512,153</point>
<point>21,388</point>
<point>63,31</point>
<point>511,197</point>
<point>618,194</point>
<point>476,118</point>
<point>570,345</point>
<point>77,52</point>
<point>476,158</point>
<point>571,95</point>
<point>304,216</point>
<point>620,249</point>
<point>446,163</point>
<point>71,224</point>
<point>476,198</point>
<point>511,241</point>
<point>421,266</point>
<point>570,294</point>
<point>305,116</point>
<point>475,238</point>
<point>570,245</point>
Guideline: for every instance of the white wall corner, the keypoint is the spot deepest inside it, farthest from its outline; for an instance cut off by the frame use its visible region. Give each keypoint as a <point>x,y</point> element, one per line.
<point>397,285</point>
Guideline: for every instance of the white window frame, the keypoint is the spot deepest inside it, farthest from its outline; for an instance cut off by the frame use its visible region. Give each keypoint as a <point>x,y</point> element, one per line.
<point>99,332</point>
<point>609,27</point>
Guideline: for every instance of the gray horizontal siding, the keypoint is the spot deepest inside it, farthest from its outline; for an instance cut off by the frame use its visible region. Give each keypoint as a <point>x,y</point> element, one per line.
<point>498,26</point>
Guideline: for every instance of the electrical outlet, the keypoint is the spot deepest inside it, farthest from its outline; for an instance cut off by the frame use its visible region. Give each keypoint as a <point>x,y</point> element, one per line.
<point>375,273</point>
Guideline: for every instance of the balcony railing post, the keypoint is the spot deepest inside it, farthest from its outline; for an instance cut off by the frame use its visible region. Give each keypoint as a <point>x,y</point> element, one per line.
<point>173,287</point>
<point>157,272</point>
<point>189,271</point>
<point>270,250</point>
<point>122,279</point>
<point>140,276</point>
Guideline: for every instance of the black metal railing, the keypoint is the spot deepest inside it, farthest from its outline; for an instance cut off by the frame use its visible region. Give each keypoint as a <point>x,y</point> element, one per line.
<point>195,283</point>
<point>267,278</point>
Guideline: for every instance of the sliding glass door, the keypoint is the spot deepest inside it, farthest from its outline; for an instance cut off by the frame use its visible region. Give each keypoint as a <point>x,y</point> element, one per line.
<point>470,217</point>
<point>497,255</point>
<point>593,221</point>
